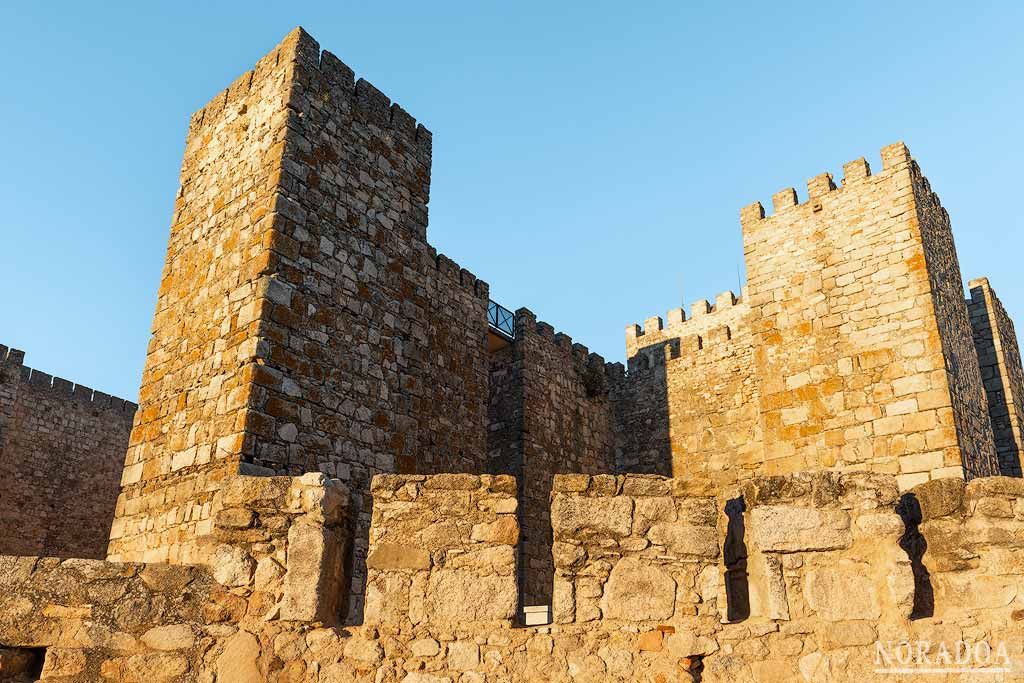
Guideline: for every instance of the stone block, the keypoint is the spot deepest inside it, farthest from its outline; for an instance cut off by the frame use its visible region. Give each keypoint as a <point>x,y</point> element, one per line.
<point>777,528</point>
<point>636,591</point>
<point>579,517</point>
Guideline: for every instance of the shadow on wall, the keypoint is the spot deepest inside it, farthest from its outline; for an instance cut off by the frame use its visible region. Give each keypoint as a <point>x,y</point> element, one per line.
<point>734,551</point>
<point>914,545</point>
<point>640,403</point>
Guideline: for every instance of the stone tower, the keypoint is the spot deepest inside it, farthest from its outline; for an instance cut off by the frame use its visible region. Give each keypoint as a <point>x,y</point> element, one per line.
<point>303,321</point>
<point>850,348</point>
<point>863,344</point>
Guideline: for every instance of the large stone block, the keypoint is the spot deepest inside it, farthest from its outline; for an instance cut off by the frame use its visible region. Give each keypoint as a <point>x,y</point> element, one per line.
<point>637,591</point>
<point>314,578</point>
<point>783,528</point>
<point>682,539</point>
<point>459,595</point>
<point>576,516</point>
<point>842,594</point>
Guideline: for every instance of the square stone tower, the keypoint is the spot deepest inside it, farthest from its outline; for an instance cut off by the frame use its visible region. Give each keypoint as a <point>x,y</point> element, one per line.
<point>863,347</point>
<point>303,322</point>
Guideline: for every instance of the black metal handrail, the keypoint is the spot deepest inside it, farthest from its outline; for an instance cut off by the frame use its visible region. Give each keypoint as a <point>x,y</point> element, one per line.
<point>501,319</point>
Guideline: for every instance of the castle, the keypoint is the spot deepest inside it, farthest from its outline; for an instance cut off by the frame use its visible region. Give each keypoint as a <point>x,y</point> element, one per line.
<point>348,464</point>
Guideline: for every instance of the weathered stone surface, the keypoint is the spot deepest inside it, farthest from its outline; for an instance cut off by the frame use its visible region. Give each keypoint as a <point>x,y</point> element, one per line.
<point>238,660</point>
<point>313,580</point>
<point>425,647</point>
<point>146,668</point>
<point>504,531</point>
<point>232,566</point>
<point>796,529</point>
<point>366,652</point>
<point>463,656</point>
<point>390,556</point>
<point>841,594</point>
<point>459,595</point>
<point>171,637</point>
<point>578,516</point>
<point>638,593</point>
<point>685,540</point>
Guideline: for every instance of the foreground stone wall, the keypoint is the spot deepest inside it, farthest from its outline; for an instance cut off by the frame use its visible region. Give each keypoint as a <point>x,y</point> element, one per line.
<point>634,548</point>
<point>442,551</point>
<point>61,453</point>
<point>833,570</point>
<point>973,559</point>
<point>995,341</point>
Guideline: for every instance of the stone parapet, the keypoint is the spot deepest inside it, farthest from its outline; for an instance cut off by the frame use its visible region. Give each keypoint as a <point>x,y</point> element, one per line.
<point>632,548</point>
<point>442,550</point>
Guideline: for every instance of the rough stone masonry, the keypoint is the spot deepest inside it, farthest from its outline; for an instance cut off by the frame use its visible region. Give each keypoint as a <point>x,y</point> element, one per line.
<point>317,482</point>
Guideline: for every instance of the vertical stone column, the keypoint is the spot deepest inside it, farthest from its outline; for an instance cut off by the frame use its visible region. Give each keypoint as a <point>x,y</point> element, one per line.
<point>999,357</point>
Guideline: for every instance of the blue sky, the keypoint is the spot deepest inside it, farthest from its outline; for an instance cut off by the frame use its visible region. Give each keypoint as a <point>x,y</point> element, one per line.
<point>590,159</point>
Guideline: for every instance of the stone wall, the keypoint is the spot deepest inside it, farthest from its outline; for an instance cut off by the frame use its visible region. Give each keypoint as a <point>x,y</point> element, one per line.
<point>204,358</point>
<point>691,406</point>
<point>850,353</point>
<point>849,350</point>
<point>61,453</point>
<point>973,556</point>
<point>550,413</point>
<point>304,323</point>
<point>995,341</point>
<point>835,567</point>
<point>634,548</point>
<point>442,551</point>
<point>975,440</point>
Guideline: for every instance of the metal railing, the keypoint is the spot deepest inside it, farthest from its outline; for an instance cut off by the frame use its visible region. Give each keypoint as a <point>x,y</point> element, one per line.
<point>501,319</point>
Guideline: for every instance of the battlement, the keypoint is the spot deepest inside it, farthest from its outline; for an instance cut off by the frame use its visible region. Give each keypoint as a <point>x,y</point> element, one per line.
<point>893,156</point>
<point>526,321</point>
<point>365,101</point>
<point>61,387</point>
<point>9,356</point>
<point>679,325</point>
<point>455,274</point>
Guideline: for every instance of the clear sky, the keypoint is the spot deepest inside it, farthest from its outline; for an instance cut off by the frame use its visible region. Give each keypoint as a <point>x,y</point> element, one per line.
<point>590,159</point>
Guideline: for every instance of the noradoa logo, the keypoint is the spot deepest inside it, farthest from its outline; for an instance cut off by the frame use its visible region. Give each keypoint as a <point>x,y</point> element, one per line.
<point>926,657</point>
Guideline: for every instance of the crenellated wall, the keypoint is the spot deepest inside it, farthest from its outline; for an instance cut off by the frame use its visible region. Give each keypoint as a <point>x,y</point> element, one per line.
<point>61,453</point>
<point>850,349</point>
<point>837,571</point>
<point>690,395</point>
<point>850,298</point>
